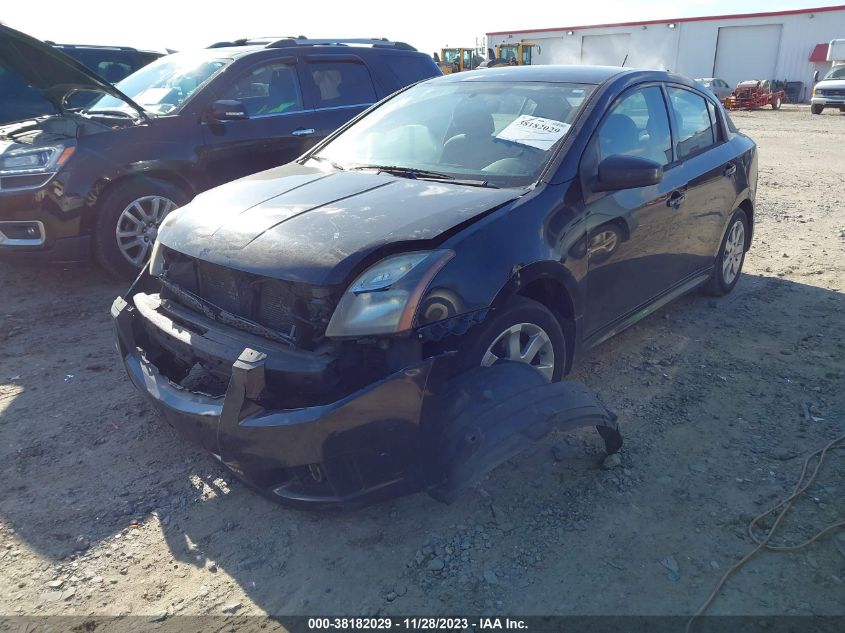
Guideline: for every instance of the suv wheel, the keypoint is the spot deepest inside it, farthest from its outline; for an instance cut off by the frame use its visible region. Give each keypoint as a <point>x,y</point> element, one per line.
<point>816,109</point>
<point>525,331</point>
<point>730,258</point>
<point>128,221</point>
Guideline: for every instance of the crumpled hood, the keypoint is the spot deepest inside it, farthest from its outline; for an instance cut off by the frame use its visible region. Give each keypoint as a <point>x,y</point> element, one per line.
<point>306,225</point>
<point>47,69</point>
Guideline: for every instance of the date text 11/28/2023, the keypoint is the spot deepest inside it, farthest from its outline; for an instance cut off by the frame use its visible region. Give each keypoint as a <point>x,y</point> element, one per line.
<point>417,624</point>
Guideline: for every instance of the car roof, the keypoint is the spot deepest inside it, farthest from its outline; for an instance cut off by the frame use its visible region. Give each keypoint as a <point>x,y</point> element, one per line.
<point>98,47</point>
<point>236,51</point>
<point>566,74</point>
<point>559,74</point>
<point>562,74</point>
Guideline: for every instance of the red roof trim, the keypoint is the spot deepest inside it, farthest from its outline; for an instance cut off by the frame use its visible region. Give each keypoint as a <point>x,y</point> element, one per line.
<point>819,53</point>
<point>735,16</point>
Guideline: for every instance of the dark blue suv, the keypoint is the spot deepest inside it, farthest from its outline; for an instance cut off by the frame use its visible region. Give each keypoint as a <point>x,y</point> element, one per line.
<point>99,180</point>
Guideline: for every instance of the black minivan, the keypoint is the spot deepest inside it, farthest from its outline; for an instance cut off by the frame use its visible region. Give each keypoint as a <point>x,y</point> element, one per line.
<point>99,180</point>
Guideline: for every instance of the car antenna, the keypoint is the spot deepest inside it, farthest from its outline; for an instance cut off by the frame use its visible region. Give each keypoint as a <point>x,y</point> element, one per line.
<point>624,60</point>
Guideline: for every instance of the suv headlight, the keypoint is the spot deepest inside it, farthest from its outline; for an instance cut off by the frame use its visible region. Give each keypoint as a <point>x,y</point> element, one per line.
<point>40,160</point>
<point>384,299</point>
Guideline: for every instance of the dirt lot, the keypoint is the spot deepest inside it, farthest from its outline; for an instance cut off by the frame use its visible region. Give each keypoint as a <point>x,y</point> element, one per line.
<point>105,510</point>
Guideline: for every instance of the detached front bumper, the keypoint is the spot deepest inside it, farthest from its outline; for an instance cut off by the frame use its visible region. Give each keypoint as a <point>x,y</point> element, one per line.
<point>361,448</point>
<point>420,427</point>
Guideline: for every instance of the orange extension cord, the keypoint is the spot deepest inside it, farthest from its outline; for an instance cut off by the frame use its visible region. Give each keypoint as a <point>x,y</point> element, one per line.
<point>786,504</point>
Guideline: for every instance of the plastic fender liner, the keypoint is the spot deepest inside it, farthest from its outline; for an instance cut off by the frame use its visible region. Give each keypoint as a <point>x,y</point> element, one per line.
<point>490,414</point>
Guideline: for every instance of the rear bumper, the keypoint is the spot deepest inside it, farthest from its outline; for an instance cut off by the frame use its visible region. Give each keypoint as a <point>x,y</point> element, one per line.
<point>361,448</point>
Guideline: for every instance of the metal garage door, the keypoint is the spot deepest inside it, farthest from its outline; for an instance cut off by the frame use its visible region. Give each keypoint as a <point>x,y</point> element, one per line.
<point>605,50</point>
<point>747,52</point>
<point>555,50</point>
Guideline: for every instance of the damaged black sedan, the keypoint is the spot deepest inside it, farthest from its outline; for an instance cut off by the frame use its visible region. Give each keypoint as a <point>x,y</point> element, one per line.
<point>394,311</point>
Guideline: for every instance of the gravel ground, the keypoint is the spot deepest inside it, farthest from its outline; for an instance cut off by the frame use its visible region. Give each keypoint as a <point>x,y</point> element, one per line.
<point>105,510</point>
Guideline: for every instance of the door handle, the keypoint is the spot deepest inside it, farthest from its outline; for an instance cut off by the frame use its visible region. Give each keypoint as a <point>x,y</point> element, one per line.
<point>676,199</point>
<point>303,131</point>
<point>730,170</point>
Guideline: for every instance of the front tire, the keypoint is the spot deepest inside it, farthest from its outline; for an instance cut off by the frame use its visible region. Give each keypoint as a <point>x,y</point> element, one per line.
<point>816,109</point>
<point>731,256</point>
<point>523,331</point>
<point>776,104</point>
<point>128,220</point>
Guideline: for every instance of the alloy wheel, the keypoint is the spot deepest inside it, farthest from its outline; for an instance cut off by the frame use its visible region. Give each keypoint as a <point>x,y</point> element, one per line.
<point>523,343</point>
<point>137,227</point>
<point>603,243</point>
<point>734,250</point>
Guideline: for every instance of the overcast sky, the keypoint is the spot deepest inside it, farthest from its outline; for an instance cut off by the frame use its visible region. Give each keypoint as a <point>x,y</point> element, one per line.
<point>428,25</point>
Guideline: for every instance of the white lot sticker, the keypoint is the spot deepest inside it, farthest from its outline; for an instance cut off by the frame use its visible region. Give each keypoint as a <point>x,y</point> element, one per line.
<point>534,131</point>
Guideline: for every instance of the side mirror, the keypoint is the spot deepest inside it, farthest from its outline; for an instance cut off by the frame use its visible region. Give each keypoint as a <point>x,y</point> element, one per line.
<point>228,110</point>
<point>627,172</point>
<point>436,58</point>
<point>816,77</point>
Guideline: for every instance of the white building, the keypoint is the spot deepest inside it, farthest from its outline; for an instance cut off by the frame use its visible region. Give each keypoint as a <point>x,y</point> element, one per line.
<point>783,45</point>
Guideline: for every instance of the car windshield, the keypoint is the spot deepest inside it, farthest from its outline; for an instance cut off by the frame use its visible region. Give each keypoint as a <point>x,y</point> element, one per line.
<point>501,133</point>
<point>164,85</point>
<point>836,73</point>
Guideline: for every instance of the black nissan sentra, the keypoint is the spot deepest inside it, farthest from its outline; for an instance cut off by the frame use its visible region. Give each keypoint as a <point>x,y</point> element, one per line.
<point>393,311</point>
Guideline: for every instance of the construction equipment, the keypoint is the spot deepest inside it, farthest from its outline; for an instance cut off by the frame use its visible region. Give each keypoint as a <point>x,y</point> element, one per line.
<point>455,60</point>
<point>512,54</point>
<point>756,93</point>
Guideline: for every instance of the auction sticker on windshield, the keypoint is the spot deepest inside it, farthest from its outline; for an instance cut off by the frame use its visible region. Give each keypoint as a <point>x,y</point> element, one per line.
<point>534,131</point>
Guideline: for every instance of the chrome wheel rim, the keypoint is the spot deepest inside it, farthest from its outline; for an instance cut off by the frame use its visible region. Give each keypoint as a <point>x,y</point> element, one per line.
<point>137,227</point>
<point>523,343</point>
<point>603,243</point>
<point>734,250</point>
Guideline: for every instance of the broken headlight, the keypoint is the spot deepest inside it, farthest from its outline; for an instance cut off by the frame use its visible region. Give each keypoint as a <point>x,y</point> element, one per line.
<point>384,299</point>
<point>41,160</point>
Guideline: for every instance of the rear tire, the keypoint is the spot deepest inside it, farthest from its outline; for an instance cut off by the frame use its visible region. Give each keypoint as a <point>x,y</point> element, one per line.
<point>127,223</point>
<point>729,261</point>
<point>521,319</point>
<point>816,109</point>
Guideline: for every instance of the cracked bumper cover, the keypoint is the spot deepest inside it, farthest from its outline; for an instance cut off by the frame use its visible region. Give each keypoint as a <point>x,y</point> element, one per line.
<point>357,449</point>
<point>406,432</point>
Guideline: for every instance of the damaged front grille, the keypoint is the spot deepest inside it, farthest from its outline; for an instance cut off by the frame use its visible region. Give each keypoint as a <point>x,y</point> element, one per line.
<point>289,312</point>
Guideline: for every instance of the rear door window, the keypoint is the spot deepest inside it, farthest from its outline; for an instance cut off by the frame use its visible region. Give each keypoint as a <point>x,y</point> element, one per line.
<point>409,69</point>
<point>341,83</point>
<point>714,119</point>
<point>267,89</point>
<point>695,131</point>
